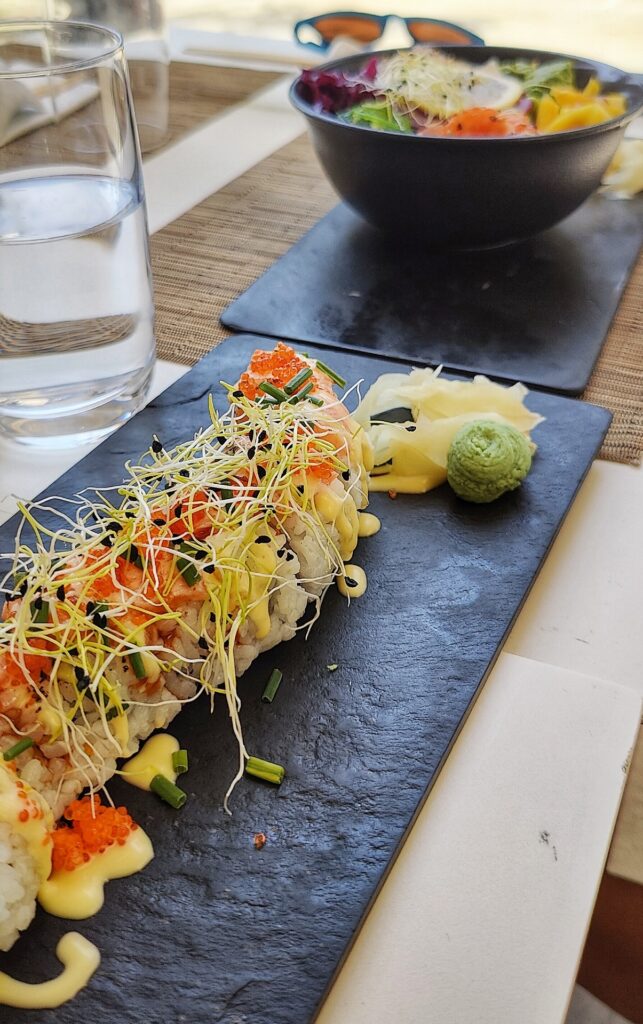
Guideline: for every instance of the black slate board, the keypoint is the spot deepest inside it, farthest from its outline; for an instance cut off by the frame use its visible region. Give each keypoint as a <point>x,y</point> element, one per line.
<point>215,931</point>
<point>537,312</point>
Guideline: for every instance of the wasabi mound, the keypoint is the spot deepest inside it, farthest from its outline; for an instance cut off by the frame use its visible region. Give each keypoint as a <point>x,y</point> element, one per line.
<point>486,459</point>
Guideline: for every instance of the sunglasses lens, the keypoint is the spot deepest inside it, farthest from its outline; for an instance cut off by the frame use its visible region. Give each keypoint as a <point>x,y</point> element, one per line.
<point>364,29</point>
<point>426,32</point>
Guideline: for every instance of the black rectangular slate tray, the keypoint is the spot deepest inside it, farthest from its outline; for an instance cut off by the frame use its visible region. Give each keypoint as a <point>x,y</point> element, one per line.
<point>214,931</point>
<point>537,312</point>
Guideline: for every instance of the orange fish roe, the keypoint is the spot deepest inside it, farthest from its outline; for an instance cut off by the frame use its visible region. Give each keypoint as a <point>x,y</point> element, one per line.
<point>92,831</point>
<point>324,471</point>
<point>277,367</point>
<point>32,808</point>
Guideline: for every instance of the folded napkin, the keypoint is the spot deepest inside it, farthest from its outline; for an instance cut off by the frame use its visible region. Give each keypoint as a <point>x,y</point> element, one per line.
<point>30,103</point>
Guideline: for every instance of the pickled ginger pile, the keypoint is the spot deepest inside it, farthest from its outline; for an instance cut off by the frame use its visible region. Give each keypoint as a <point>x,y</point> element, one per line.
<point>412,420</point>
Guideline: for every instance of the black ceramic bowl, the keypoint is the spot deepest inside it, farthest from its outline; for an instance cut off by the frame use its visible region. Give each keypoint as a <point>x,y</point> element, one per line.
<point>469,193</point>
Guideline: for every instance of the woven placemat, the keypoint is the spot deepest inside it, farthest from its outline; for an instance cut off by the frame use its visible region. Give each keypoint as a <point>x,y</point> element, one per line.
<point>201,91</point>
<point>214,252</point>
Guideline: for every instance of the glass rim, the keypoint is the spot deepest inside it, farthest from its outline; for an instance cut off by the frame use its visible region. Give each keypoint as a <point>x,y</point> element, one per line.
<point>32,24</point>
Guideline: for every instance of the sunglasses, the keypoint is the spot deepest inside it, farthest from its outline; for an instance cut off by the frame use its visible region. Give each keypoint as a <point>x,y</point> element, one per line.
<point>366,28</point>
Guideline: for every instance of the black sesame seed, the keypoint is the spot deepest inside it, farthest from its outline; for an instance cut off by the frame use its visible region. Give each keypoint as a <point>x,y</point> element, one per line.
<point>24,587</point>
<point>261,472</point>
<point>178,511</point>
<point>252,451</point>
<point>262,539</point>
<point>91,606</point>
<point>349,581</point>
<point>79,672</point>
<point>184,473</point>
<point>83,682</point>
<point>73,651</point>
<point>213,617</point>
<point>114,527</point>
<point>60,593</point>
<point>289,555</point>
<point>203,643</point>
<point>159,522</point>
<point>281,552</point>
<point>157,446</point>
<point>108,541</point>
<point>411,427</point>
<point>237,394</point>
<point>346,475</point>
<point>38,603</point>
<point>263,436</point>
<point>200,554</point>
<point>208,568</point>
<point>221,439</point>
<point>300,489</point>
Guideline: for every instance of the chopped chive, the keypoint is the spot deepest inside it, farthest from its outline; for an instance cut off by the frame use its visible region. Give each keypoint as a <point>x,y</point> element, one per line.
<point>180,761</point>
<point>265,770</point>
<point>17,749</point>
<point>315,401</point>
<point>138,668</point>
<point>188,570</point>
<point>330,373</point>
<point>272,686</point>
<point>273,391</point>
<point>224,490</point>
<point>40,611</point>
<point>302,394</point>
<point>298,380</point>
<point>267,403</point>
<point>167,791</point>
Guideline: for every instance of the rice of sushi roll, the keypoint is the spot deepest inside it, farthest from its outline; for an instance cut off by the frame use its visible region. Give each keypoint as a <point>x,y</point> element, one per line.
<point>25,853</point>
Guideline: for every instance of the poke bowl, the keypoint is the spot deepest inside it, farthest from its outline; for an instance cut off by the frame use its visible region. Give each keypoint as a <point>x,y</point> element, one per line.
<point>535,135</point>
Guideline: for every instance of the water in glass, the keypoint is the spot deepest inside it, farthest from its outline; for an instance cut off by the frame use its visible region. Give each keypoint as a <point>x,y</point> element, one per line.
<point>76,303</point>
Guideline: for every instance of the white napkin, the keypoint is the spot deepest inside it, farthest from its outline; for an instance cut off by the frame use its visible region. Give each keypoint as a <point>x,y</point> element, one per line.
<point>30,103</point>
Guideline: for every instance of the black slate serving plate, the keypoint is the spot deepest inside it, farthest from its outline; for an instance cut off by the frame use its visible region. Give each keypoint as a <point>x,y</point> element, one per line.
<point>538,311</point>
<point>216,931</point>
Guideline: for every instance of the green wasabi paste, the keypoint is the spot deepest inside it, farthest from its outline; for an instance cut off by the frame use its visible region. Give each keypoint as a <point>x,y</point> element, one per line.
<point>486,459</point>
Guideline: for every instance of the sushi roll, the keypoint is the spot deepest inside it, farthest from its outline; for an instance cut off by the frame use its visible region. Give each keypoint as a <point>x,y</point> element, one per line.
<point>173,583</point>
<point>26,823</point>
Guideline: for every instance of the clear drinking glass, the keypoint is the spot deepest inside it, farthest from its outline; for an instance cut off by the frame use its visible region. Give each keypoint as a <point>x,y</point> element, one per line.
<point>143,28</point>
<point>76,303</point>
